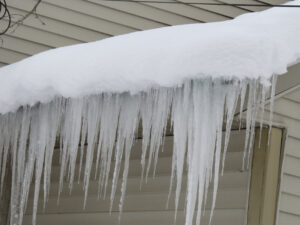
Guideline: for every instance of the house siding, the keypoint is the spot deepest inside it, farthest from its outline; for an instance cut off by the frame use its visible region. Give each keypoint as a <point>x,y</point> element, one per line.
<point>287,113</point>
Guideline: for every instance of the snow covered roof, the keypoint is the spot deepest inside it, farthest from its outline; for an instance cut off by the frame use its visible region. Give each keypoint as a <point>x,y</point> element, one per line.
<point>255,45</point>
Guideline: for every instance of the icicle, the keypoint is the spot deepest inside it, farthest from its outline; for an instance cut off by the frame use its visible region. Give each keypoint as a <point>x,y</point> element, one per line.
<point>108,123</point>
<point>242,100</point>
<point>55,118</point>
<point>70,135</point>
<point>82,142</point>
<point>161,107</point>
<point>231,101</point>
<point>39,153</point>
<point>99,109</point>
<point>128,124</point>
<point>128,121</point>
<point>108,132</point>
<point>180,128</point>
<point>219,105</point>
<point>274,81</point>
<point>250,103</point>
<point>146,117</point>
<point>93,118</point>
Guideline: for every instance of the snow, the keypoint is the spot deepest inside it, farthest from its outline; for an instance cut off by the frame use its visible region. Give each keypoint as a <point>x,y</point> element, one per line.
<point>255,45</point>
<point>191,76</point>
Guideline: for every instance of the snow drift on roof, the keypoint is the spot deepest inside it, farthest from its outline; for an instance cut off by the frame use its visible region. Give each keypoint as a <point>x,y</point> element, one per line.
<point>255,45</point>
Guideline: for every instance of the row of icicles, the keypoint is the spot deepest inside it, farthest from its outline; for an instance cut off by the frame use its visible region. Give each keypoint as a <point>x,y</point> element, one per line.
<point>108,123</point>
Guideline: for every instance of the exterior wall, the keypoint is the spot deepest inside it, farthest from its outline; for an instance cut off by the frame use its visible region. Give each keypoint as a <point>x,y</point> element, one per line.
<point>287,113</point>
<point>148,206</point>
<point>289,205</point>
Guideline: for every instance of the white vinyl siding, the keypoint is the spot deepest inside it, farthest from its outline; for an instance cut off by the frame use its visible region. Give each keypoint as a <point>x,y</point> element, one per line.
<point>287,113</point>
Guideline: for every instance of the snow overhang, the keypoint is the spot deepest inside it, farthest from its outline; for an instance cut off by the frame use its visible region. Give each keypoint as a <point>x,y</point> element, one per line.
<point>252,46</point>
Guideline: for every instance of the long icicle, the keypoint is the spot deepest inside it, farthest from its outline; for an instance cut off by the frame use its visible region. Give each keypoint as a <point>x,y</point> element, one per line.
<point>108,123</point>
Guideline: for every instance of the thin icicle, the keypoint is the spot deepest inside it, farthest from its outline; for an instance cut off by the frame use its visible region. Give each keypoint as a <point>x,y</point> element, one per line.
<point>93,122</point>
<point>146,115</point>
<point>130,118</point>
<point>82,142</point>
<point>39,154</point>
<point>219,105</point>
<point>128,121</point>
<point>55,117</point>
<point>250,103</point>
<point>161,108</point>
<point>274,81</point>
<point>180,128</point>
<point>108,131</point>
<point>70,136</point>
<point>231,101</point>
<point>243,91</point>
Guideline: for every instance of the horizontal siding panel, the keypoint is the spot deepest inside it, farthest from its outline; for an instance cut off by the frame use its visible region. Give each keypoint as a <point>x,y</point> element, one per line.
<point>287,108</point>
<point>229,11</point>
<point>9,56</point>
<point>249,8</point>
<point>59,27</point>
<point>189,11</point>
<point>23,46</point>
<point>292,147</point>
<point>290,203</point>
<point>234,162</point>
<point>291,166</point>
<point>272,1</point>
<point>68,16</point>
<point>224,217</point>
<point>236,144</point>
<point>42,36</point>
<point>147,12</point>
<point>291,124</point>
<point>288,219</point>
<point>295,96</point>
<point>137,202</point>
<point>161,183</point>
<point>106,13</point>
<point>290,184</point>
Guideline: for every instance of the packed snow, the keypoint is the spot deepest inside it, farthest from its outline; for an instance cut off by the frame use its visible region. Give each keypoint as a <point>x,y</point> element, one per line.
<point>254,45</point>
<point>191,76</point>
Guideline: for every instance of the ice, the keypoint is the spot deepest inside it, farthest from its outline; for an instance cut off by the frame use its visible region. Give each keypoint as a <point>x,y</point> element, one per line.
<point>89,102</point>
<point>274,81</point>
<point>105,125</point>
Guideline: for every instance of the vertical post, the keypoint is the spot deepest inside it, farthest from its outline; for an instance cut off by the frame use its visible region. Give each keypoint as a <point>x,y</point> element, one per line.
<point>265,178</point>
